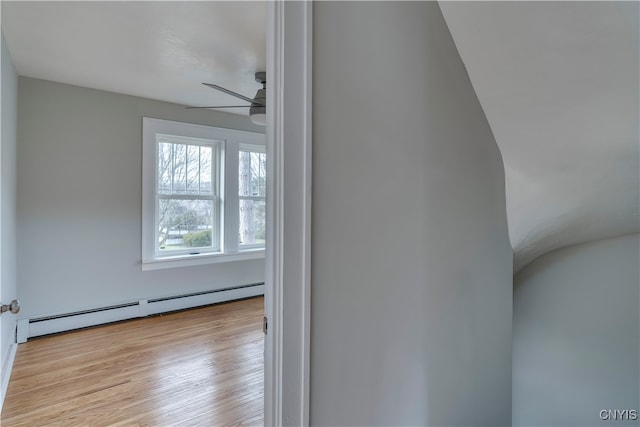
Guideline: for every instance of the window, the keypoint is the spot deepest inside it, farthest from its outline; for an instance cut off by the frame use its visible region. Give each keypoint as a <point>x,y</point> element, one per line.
<point>252,185</point>
<point>187,195</point>
<point>204,194</point>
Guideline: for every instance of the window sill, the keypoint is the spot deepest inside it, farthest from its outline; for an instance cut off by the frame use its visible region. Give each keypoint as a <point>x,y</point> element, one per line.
<point>200,259</point>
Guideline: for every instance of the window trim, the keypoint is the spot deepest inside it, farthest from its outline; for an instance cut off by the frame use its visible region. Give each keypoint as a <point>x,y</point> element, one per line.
<point>230,142</point>
<point>200,259</point>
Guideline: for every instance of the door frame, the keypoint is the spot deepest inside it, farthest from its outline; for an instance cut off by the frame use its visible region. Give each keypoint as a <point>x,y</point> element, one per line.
<point>288,254</point>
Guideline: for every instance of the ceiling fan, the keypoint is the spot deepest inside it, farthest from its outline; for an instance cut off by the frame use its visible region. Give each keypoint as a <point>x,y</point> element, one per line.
<point>258,105</point>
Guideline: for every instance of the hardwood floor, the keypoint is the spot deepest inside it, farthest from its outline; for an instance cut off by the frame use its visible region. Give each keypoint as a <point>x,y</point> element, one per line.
<point>201,367</point>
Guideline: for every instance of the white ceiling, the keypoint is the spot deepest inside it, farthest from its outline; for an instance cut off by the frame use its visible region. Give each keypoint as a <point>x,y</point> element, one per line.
<point>153,49</point>
<point>558,83</point>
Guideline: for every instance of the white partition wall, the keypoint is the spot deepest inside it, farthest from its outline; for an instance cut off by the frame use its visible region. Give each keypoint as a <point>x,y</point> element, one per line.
<point>576,332</point>
<point>411,291</point>
<point>8,270</point>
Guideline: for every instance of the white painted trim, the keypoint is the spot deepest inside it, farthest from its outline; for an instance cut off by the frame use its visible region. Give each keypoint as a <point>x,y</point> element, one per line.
<point>7,367</point>
<point>78,321</point>
<point>156,307</point>
<point>200,259</point>
<point>3,390</point>
<point>22,330</point>
<point>273,281</point>
<point>307,101</point>
<point>137,309</point>
<point>288,262</point>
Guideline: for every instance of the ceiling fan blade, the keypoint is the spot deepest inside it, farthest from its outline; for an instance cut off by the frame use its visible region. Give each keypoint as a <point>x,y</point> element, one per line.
<point>232,93</point>
<point>220,106</point>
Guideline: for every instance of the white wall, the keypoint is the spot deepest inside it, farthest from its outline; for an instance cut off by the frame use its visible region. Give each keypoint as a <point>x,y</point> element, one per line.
<point>576,329</point>
<point>8,204</point>
<point>79,201</point>
<point>411,262</point>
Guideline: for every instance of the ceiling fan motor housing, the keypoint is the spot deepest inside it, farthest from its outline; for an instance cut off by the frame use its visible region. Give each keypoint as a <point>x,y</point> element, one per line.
<point>261,77</point>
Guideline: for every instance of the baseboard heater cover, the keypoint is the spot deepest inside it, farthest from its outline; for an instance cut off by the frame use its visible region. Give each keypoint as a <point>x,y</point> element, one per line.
<point>85,318</point>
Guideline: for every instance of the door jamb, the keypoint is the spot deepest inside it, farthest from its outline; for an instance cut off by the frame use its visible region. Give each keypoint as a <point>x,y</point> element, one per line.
<point>288,254</point>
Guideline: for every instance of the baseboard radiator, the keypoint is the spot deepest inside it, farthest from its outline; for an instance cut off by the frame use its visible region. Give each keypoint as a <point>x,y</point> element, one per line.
<point>29,328</point>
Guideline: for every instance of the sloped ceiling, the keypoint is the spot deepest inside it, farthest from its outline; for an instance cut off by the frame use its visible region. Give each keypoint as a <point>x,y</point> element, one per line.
<point>558,82</point>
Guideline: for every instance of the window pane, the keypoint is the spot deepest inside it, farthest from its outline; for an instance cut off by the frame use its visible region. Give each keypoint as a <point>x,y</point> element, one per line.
<point>252,174</point>
<point>165,167</point>
<point>185,224</point>
<point>179,168</point>
<point>252,222</point>
<point>185,168</point>
<point>206,184</point>
<point>193,169</point>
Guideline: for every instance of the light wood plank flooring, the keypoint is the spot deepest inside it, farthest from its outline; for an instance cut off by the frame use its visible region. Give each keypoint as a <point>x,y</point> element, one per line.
<point>201,367</point>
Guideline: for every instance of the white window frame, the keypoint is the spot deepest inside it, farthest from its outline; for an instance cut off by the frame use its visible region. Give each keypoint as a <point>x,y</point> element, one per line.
<point>215,196</point>
<point>229,142</point>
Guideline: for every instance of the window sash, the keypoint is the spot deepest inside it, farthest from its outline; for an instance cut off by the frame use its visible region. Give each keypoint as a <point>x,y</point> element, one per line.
<point>214,166</point>
<point>212,195</point>
<point>246,246</point>
<point>261,185</point>
<point>255,173</point>
<point>216,230</point>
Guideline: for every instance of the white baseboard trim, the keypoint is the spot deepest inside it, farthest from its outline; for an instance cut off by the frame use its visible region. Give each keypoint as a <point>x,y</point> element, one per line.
<point>29,328</point>
<point>7,366</point>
